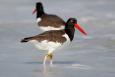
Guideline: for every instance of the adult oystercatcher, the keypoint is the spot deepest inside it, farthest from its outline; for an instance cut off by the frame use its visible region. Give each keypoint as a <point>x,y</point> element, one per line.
<point>47,21</point>
<point>51,40</point>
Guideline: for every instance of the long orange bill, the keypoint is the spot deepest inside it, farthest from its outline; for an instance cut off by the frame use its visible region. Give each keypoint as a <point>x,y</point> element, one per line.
<point>34,11</point>
<point>80,29</point>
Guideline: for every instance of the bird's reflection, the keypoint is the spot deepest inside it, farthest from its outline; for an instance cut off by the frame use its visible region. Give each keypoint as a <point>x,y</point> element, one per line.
<point>47,69</point>
<point>44,70</point>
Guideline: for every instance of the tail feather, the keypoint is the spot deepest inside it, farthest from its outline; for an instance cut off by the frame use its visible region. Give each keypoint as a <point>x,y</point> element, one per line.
<point>26,39</point>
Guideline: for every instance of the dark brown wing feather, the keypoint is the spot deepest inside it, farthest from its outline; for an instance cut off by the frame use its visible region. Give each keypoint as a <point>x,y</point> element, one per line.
<point>54,36</point>
<point>47,20</point>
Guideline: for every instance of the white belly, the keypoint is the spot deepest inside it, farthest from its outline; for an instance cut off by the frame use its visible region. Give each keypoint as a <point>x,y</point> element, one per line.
<point>45,45</point>
<point>51,28</point>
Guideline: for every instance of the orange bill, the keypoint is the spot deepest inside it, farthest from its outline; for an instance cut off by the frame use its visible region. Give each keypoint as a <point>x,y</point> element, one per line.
<point>80,29</point>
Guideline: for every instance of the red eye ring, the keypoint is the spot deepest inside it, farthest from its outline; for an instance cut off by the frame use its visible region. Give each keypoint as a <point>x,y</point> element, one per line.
<point>71,21</point>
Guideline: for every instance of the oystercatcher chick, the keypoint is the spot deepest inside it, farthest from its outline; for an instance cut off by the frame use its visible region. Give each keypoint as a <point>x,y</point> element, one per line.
<point>47,21</point>
<point>51,40</point>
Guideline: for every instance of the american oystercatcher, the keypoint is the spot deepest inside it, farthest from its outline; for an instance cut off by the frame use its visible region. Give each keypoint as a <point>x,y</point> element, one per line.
<point>47,21</point>
<point>51,40</point>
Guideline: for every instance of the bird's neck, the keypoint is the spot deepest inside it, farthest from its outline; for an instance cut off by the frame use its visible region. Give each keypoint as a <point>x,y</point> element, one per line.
<point>40,13</point>
<point>70,31</point>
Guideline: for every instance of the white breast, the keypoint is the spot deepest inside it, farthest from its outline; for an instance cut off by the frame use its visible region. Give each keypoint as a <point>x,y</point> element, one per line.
<point>67,39</point>
<point>38,20</point>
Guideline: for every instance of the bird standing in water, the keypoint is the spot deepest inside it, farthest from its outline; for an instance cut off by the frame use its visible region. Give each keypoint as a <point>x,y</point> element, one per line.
<point>51,40</point>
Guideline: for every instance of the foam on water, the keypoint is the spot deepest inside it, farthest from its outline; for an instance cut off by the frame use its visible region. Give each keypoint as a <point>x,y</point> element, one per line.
<point>72,66</point>
<point>80,66</point>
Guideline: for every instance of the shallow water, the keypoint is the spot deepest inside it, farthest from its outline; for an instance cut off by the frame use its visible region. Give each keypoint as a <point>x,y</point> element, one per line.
<point>87,56</point>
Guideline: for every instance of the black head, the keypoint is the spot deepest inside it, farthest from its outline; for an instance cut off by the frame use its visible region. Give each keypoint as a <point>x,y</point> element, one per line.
<point>39,9</point>
<point>69,27</point>
<point>39,6</point>
<point>70,22</point>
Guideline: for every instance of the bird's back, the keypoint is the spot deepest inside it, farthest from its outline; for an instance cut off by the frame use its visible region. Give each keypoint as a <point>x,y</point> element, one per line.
<point>51,20</point>
<point>53,36</point>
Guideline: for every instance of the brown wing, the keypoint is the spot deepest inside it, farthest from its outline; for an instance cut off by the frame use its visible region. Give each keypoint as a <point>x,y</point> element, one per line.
<point>54,36</point>
<point>49,19</point>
